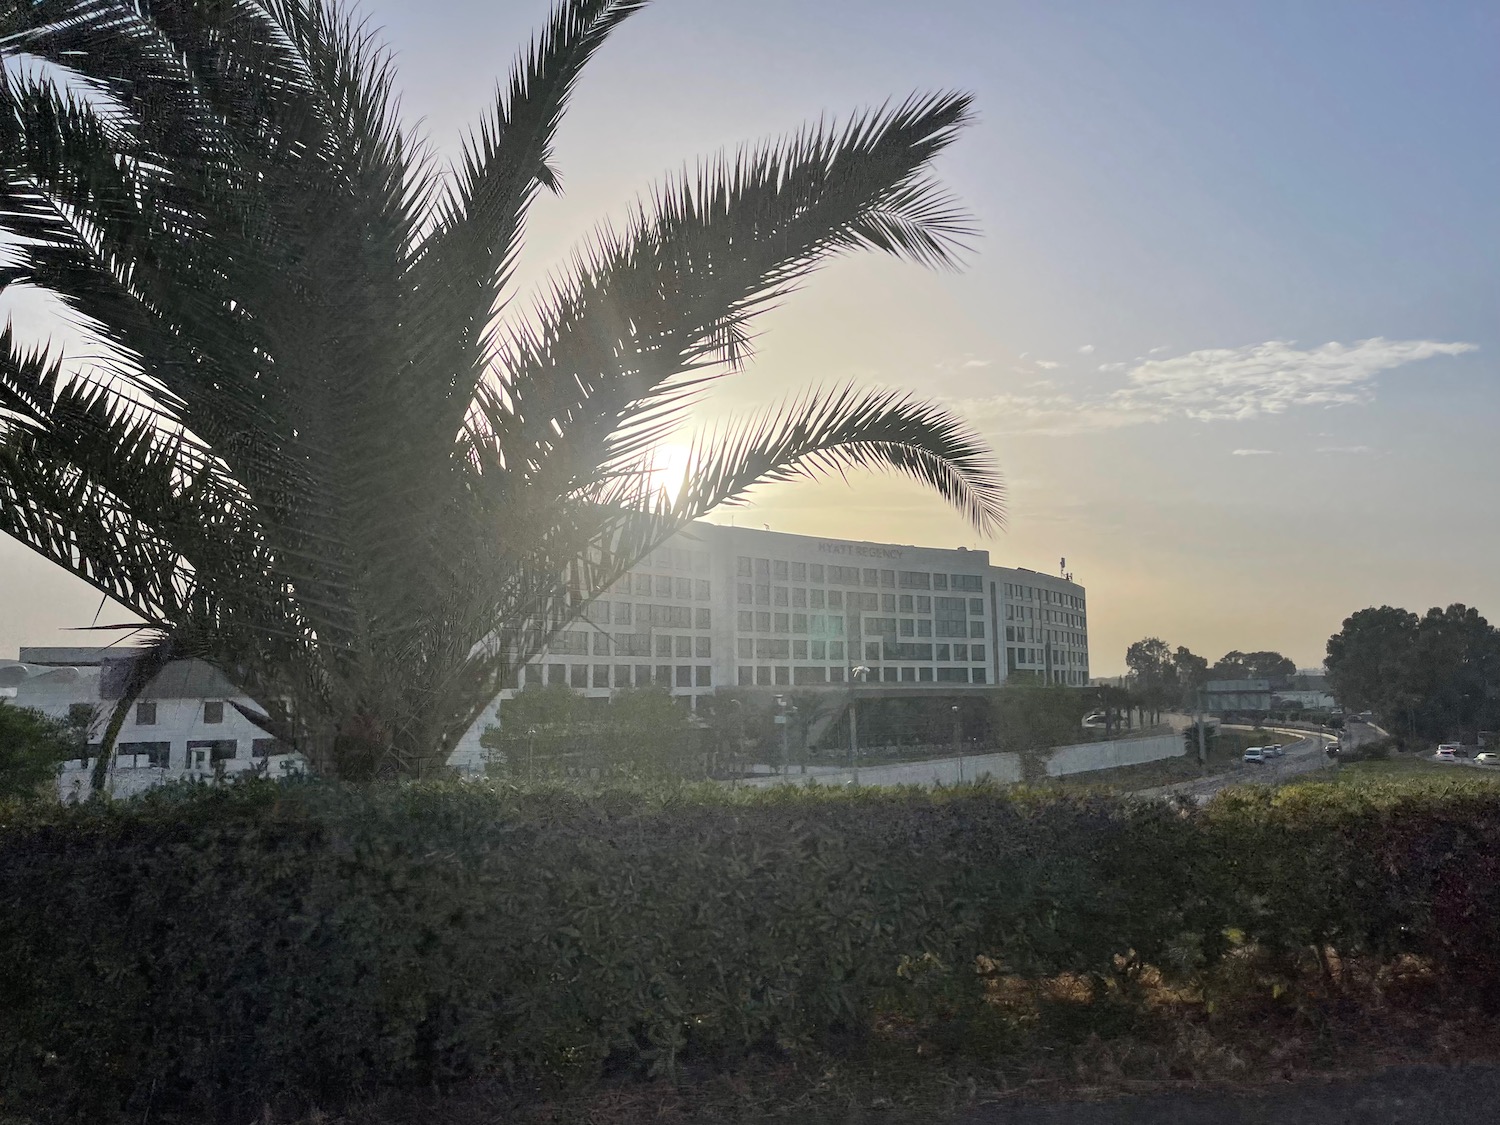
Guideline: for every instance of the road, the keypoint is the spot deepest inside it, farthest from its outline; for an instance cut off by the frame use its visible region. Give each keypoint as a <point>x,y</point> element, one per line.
<point>1305,755</point>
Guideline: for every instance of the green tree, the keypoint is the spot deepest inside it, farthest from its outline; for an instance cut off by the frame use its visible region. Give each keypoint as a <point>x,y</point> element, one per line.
<point>1371,660</point>
<point>31,746</point>
<point>308,447</point>
<point>1150,662</point>
<point>1192,673</point>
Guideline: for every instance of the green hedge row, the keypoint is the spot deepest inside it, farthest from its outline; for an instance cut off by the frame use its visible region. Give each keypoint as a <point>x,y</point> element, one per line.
<point>213,951</point>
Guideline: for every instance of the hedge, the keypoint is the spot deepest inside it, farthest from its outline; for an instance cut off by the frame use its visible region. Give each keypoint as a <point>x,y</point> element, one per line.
<point>214,951</point>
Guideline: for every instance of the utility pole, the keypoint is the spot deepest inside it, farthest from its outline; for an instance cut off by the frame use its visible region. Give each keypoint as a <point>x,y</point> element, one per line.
<point>786,766</point>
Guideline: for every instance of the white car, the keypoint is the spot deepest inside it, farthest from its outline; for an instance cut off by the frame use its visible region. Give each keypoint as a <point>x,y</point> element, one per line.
<point>1445,754</point>
<point>1273,751</point>
<point>1487,759</point>
<point>1256,755</point>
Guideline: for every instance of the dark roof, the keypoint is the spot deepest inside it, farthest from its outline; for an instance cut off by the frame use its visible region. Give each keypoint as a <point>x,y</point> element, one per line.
<point>182,679</point>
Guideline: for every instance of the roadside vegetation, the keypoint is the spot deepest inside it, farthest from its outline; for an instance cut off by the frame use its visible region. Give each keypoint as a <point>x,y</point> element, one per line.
<point>561,953</point>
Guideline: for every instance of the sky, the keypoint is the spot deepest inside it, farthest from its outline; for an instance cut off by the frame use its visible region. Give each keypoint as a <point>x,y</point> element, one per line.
<point>1231,323</point>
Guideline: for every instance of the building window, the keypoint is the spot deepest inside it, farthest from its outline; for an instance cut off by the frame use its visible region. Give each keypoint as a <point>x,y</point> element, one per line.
<point>155,754</point>
<point>578,676</point>
<point>762,593</point>
<point>703,647</point>
<point>643,675</point>
<point>816,599</point>
<point>799,650</point>
<point>601,644</point>
<point>744,676</point>
<point>703,618</point>
<point>145,713</point>
<point>266,747</point>
<point>870,576</point>
<point>924,627</point>
<point>799,572</point>
<point>835,675</point>
<point>908,675</point>
<point>952,675</point>
<point>704,676</point>
<point>976,652</point>
<point>742,566</point>
<point>815,572</point>
<point>762,621</point>
<point>924,675</point>
<point>601,675</point>
<point>622,613</point>
<point>762,675</point>
<point>978,676</point>
<point>783,623</point>
<point>622,675</point>
<point>811,675</point>
<point>976,628</point>
<point>942,653</point>
<point>835,599</point>
<point>744,593</point>
<point>684,647</point>
<point>819,650</point>
<point>914,580</point>
<point>783,675</point>
<point>744,648</point>
<point>976,607</point>
<point>799,597</point>
<point>663,645</point>
<point>779,595</point>
<point>218,750</point>
<point>906,627</point>
<point>778,570</point>
<point>835,650</point>
<point>684,675</point>
<point>213,712</point>
<point>939,581</point>
<point>799,622</point>
<point>872,650</point>
<point>970,583</point>
<point>890,675</point>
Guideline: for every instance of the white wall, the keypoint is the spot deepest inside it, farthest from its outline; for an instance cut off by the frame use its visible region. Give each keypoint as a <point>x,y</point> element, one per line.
<point>1118,752</point>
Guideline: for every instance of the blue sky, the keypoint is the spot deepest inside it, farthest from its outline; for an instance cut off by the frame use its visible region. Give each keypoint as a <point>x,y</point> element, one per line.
<point>1231,323</point>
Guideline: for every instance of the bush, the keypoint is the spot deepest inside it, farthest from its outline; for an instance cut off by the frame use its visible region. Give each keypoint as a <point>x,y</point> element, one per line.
<point>213,951</point>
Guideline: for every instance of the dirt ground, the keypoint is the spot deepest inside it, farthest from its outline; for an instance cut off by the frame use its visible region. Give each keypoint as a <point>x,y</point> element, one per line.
<point>1409,1095</point>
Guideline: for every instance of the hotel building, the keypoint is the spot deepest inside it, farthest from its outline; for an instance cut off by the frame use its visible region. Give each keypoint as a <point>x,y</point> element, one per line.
<point>736,607</point>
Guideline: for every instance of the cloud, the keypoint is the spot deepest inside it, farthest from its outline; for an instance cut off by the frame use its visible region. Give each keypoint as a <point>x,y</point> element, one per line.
<point>1216,385</point>
<point>1157,350</point>
<point>1345,449</point>
<point>973,363</point>
<point>1048,364</point>
<point>1087,349</point>
<point>1108,367</point>
<point>1253,452</point>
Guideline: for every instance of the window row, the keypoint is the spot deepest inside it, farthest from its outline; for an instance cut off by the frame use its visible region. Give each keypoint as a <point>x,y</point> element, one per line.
<point>782,570</point>
<point>650,614</point>
<point>781,675</point>
<point>194,754</point>
<point>665,586</point>
<point>211,712</point>
<point>798,597</point>
<point>581,642</point>
<point>1020,592</point>
<point>584,676</point>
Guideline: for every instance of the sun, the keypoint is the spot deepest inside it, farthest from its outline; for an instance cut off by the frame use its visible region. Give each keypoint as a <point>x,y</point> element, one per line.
<point>670,461</point>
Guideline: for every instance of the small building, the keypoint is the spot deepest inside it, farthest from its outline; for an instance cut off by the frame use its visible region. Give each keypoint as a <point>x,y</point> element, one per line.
<point>1227,697</point>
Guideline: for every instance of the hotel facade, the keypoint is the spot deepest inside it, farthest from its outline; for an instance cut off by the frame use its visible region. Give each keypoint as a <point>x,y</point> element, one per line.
<point>742,608</point>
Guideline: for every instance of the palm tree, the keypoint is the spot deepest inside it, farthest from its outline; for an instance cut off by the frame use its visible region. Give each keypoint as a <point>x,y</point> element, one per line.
<point>306,446</point>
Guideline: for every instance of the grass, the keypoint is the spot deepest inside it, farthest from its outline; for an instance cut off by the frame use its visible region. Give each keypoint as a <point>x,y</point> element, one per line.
<point>1413,772</point>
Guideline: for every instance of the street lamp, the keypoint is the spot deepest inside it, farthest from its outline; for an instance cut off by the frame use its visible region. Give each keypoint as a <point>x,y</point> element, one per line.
<point>855,675</point>
<point>958,747</point>
<point>781,721</point>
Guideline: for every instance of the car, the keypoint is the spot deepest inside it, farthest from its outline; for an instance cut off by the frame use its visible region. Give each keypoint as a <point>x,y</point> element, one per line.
<point>1273,751</point>
<point>1255,756</point>
<point>1445,754</point>
<point>1333,747</point>
<point>1488,758</point>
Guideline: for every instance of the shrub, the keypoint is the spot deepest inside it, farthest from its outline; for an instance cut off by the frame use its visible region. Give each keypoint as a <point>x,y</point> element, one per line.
<point>213,951</point>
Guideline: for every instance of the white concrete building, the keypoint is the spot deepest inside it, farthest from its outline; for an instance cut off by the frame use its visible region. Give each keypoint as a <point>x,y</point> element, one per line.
<point>725,606</point>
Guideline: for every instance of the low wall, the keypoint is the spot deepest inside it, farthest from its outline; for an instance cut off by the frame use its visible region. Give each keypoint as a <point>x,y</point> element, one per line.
<point>1089,756</point>
<point>1004,769</point>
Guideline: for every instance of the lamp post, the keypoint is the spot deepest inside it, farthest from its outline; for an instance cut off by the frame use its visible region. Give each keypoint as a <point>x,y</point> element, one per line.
<point>855,674</point>
<point>530,745</point>
<point>781,721</point>
<point>958,745</point>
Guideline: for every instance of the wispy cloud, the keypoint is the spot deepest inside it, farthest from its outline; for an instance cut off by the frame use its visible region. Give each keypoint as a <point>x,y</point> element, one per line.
<point>1253,452</point>
<point>1345,449</point>
<point>1087,349</point>
<point>1047,364</point>
<point>1215,385</point>
<point>970,364</point>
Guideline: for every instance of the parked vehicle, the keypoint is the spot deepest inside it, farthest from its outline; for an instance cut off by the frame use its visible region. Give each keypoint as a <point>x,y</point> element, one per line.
<point>1445,754</point>
<point>1273,751</point>
<point>1255,756</point>
<point>1488,758</point>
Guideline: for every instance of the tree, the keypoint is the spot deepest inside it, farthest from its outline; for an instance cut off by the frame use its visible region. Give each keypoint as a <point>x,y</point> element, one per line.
<point>308,448</point>
<point>1370,661</point>
<point>1150,661</point>
<point>1192,673</point>
<point>31,746</point>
